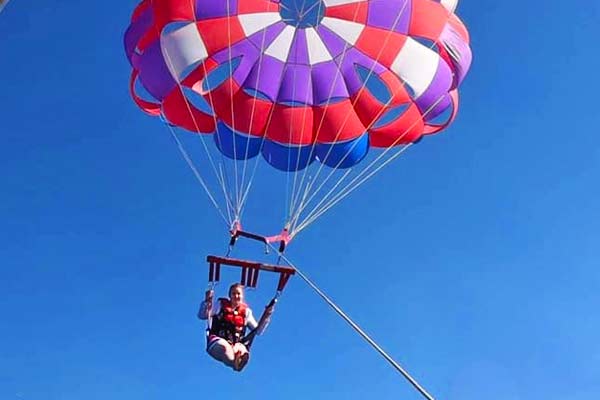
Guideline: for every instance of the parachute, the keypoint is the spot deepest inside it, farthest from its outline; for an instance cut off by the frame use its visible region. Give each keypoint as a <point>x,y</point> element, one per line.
<point>299,82</point>
<point>323,92</point>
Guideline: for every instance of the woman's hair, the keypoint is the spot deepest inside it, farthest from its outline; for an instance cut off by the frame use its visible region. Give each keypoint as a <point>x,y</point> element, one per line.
<point>235,286</point>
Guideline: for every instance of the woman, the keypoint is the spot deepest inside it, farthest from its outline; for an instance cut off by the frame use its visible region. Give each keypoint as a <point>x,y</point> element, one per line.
<point>228,327</point>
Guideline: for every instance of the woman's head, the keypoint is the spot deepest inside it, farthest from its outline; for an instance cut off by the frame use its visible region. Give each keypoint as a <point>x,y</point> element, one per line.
<point>236,294</point>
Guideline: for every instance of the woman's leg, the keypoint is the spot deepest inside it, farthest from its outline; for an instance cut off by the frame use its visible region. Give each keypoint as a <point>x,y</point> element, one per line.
<point>241,356</point>
<point>222,351</point>
<point>239,348</point>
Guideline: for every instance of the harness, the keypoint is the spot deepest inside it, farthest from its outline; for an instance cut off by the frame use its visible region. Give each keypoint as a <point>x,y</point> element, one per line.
<point>230,322</point>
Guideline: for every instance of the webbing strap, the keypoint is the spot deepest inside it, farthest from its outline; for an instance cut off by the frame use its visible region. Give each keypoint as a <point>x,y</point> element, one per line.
<point>283,280</point>
<point>214,272</point>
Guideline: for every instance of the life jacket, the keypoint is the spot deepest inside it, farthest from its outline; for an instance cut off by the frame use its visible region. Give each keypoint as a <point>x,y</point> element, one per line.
<point>230,322</point>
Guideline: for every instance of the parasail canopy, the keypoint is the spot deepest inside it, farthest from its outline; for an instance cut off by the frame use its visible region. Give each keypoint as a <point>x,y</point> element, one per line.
<point>296,82</point>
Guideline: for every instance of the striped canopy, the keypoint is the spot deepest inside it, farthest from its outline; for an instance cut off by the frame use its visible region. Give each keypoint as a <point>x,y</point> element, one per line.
<point>299,80</point>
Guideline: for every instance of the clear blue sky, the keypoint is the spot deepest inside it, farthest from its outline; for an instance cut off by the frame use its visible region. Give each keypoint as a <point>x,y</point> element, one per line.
<point>473,260</point>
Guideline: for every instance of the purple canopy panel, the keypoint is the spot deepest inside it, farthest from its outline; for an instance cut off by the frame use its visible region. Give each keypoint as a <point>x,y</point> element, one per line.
<point>296,85</point>
<point>435,99</point>
<point>135,32</point>
<point>263,39</point>
<point>248,54</point>
<point>207,9</point>
<point>328,82</point>
<point>390,15</point>
<point>154,74</point>
<point>299,49</point>
<point>459,51</point>
<point>265,76</point>
<point>335,44</point>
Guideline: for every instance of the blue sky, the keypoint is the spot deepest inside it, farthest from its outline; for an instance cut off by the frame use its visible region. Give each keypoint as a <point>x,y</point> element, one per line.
<point>472,259</point>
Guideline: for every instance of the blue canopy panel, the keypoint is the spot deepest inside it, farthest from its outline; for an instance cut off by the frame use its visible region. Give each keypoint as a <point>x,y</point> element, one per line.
<point>236,145</point>
<point>288,158</point>
<point>343,154</point>
<point>284,157</point>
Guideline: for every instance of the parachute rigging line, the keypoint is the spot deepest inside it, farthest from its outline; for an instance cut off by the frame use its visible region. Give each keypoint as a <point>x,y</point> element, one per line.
<point>289,195</point>
<point>345,191</point>
<point>331,90</point>
<point>297,213</point>
<point>296,194</point>
<point>188,159</point>
<point>363,86</point>
<point>314,214</point>
<point>357,328</point>
<point>246,191</point>
<point>190,163</point>
<point>237,210</point>
<point>233,119</point>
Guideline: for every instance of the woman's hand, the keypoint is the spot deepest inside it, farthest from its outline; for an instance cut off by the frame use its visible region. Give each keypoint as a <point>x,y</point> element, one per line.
<point>208,296</point>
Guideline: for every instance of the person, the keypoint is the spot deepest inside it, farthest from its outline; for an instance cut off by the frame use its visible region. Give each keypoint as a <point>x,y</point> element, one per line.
<point>228,326</point>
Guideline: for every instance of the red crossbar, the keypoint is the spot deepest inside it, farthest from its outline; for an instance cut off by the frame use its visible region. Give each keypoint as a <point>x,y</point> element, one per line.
<point>250,270</point>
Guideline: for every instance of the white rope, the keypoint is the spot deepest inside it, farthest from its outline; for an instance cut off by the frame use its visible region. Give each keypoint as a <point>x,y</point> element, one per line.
<point>246,189</point>
<point>312,181</point>
<point>289,150</point>
<point>234,136</point>
<point>305,202</point>
<point>363,86</point>
<point>190,163</point>
<point>294,194</point>
<point>267,125</point>
<point>284,7</point>
<point>302,207</point>
<point>348,189</point>
<point>345,191</point>
<point>303,12</point>
<point>185,154</point>
<point>357,328</point>
<point>188,159</point>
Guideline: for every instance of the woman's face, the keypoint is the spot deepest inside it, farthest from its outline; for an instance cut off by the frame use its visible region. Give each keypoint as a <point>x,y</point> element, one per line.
<point>236,295</point>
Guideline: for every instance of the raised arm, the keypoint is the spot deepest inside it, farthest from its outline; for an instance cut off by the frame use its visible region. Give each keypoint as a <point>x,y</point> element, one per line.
<point>250,320</point>
<point>206,306</point>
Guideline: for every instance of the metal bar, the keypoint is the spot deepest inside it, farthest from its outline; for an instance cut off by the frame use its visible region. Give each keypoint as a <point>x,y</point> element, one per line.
<point>211,272</point>
<point>255,278</point>
<point>244,275</point>
<point>250,264</point>
<point>251,236</point>
<point>283,280</point>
